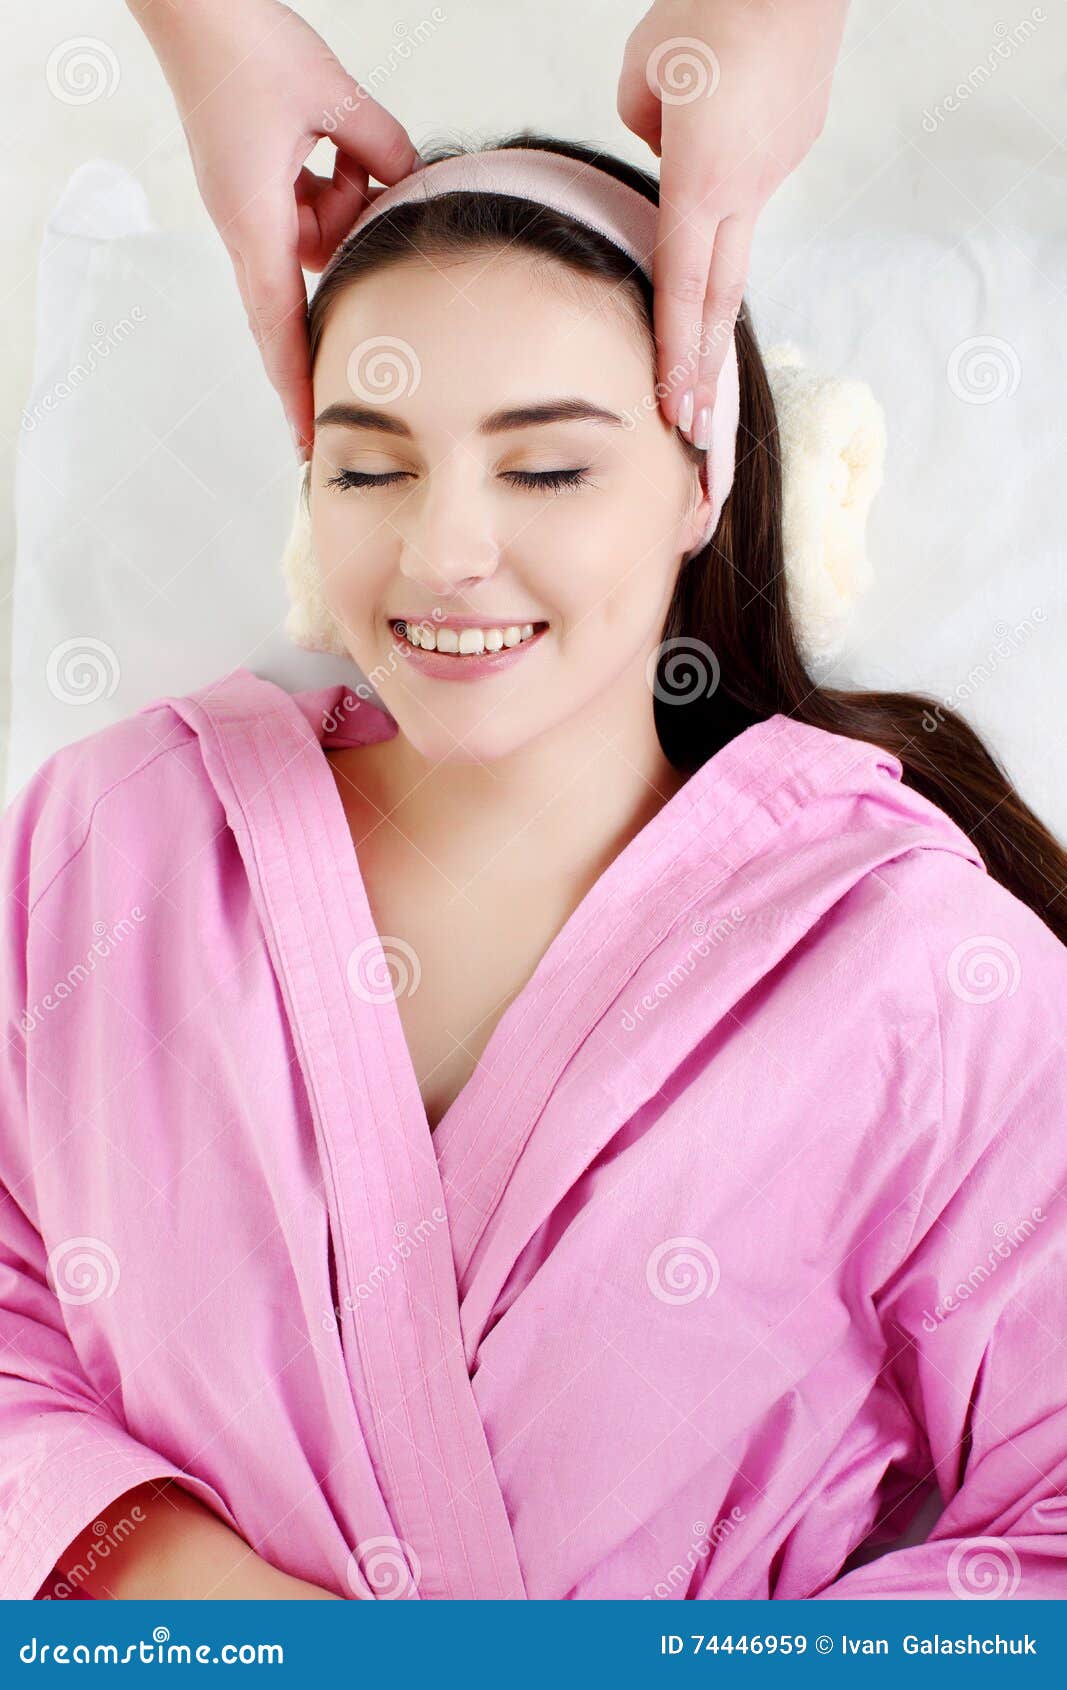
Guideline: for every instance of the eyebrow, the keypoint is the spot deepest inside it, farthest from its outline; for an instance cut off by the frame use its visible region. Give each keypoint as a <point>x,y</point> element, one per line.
<point>497,422</point>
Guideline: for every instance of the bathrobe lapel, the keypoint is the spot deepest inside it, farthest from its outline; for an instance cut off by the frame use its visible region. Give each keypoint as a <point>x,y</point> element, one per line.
<point>399,1329</point>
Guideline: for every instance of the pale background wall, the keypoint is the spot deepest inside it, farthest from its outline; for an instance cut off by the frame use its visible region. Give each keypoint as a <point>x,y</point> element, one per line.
<point>997,164</point>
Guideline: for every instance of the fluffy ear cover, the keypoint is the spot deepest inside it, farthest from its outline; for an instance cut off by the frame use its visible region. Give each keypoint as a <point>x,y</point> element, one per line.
<point>832,435</point>
<point>309,623</point>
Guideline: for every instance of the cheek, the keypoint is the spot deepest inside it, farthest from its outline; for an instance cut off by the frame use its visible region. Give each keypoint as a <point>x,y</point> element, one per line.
<point>618,591</point>
<point>622,553</point>
<point>352,576</point>
<point>334,531</point>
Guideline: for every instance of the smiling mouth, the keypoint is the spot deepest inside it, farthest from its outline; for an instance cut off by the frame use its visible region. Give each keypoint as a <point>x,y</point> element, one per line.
<point>466,642</point>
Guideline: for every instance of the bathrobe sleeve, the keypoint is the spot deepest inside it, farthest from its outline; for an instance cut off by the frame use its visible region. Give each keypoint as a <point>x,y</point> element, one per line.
<point>64,1452</point>
<point>975,1320</point>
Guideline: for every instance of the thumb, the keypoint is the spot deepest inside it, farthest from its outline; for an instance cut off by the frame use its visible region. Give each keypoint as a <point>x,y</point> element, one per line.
<point>373,139</point>
<point>637,103</point>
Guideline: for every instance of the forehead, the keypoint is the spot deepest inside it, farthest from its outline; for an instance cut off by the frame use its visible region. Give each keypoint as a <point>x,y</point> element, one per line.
<point>456,331</point>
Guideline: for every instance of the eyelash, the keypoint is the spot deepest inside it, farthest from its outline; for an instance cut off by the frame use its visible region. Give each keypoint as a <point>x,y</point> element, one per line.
<point>546,480</point>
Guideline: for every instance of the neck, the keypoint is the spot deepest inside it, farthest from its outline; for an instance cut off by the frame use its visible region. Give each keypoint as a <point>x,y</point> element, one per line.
<point>567,801</point>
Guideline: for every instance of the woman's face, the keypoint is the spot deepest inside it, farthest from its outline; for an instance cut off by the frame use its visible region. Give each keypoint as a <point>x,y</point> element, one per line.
<point>436,499</point>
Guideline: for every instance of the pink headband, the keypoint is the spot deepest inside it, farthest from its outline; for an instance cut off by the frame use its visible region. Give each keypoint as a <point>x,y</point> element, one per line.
<point>601,202</point>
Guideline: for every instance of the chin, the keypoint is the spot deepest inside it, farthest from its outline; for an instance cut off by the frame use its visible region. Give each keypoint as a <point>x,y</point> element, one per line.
<point>448,741</point>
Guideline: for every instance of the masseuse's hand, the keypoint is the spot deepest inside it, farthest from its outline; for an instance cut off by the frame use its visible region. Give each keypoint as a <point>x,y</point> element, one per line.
<point>255,89</point>
<point>730,95</point>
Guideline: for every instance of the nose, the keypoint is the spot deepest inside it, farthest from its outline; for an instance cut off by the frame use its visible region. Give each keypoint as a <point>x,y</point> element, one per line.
<point>445,526</point>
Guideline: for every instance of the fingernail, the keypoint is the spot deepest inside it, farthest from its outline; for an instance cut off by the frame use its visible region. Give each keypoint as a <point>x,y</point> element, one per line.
<point>702,428</point>
<point>685,412</point>
<point>298,444</point>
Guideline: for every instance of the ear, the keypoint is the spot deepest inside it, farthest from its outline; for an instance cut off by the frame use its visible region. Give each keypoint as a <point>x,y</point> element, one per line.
<point>697,522</point>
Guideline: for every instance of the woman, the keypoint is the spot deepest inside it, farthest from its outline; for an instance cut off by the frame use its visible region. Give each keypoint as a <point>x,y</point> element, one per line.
<point>681,1207</point>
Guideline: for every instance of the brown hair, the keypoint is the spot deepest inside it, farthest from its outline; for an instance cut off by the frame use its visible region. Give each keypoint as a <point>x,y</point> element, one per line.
<point>731,597</point>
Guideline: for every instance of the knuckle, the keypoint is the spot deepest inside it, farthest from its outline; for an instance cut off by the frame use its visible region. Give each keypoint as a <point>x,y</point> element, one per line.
<point>727,299</point>
<point>688,287</point>
<point>395,153</point>
<point>272,311</point>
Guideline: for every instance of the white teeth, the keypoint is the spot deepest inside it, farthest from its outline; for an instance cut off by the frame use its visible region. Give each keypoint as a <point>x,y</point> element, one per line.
<point>466,641</point>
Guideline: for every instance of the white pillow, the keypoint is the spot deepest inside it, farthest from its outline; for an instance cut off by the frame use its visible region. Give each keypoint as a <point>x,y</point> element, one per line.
<point>155,486</point>
<point>959,340</point>
<point>154,483</point>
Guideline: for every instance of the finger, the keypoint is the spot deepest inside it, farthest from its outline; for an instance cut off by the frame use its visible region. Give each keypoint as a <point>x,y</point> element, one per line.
<point>726,287</point>
<point>373,138</point>
<point>685,239</point>
<point>275,299</point>
<point>328,207</point>
<point>637,102</point>
<point>370,193</point>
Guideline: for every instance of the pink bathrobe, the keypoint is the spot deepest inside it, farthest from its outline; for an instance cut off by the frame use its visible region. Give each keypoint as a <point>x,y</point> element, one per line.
<point>746,1234</point>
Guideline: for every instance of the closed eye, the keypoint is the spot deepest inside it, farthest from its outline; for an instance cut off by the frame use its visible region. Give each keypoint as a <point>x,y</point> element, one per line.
<point>546,479</point>
<point>359,478</point>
